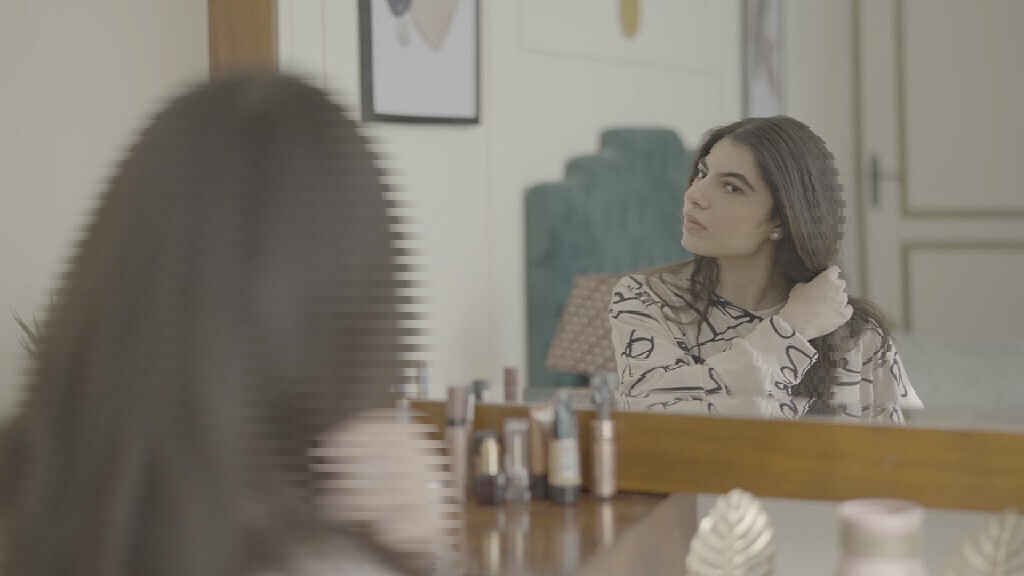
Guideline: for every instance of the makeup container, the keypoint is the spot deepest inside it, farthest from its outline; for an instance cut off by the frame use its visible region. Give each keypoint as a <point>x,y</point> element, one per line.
<point>403,395</point>
<point>880,537</point>
<point>564,477</point>
<point>469,462</point>
<point>422,381</point>
<point>513,394</point>
<point>517,451</point>
<point>456,438</point>
<point>480,387</point>
<point>603,448</point>
<point>490,480</point>
<point>542,422</point>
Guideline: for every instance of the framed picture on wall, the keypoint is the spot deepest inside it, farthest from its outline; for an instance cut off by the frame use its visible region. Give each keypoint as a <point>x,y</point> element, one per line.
<point>762,57</point>
<point>420,60</point>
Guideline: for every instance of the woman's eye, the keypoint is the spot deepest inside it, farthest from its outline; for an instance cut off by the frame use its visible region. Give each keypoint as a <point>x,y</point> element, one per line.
<point>732,189</point>
<point>701,173</point>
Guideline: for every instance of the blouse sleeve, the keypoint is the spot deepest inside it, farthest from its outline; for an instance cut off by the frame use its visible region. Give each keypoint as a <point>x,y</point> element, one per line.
<point>888,392</point>
<point>657,369</point>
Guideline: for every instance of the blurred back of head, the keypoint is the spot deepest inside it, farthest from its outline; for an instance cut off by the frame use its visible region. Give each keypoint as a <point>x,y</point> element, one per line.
<point>232,298</point>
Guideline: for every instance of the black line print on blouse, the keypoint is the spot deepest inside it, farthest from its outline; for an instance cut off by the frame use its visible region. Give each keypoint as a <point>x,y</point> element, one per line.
<point>638,347</point>
<point>792,373</point>
<point>637,313</point>
<point>650,372</point>
<point>733,311</point>
<point>789,409</point>
<point>897,375</point>
<point>781,330</point>
<point>719,385</point>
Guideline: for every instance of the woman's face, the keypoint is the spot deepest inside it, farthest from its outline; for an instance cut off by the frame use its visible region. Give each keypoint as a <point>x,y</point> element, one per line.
<point>727,209</point>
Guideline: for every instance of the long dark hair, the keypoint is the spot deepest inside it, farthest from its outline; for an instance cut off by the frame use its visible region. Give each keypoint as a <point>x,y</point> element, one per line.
<point>800,172</point>
<point>233,297</point>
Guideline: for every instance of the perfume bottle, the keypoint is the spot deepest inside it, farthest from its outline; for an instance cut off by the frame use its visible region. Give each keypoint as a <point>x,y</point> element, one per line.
<point>517,446</point>
<point>513,394</point>
<point>456,437</point>
<point>564,475</point>
<point>490,480</point>
<point>542,424</point>
<point>603,450</point>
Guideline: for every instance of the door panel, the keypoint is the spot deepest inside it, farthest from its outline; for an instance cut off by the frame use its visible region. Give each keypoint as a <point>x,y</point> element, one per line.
<point>942,199</point>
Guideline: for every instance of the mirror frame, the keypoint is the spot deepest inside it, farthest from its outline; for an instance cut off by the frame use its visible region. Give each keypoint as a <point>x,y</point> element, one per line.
<point>660,453</point>
<point>667,453</point>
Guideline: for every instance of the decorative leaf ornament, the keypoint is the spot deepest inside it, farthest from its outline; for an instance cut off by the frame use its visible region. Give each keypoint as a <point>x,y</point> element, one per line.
<point>736,538</point>
<point>997,549</point>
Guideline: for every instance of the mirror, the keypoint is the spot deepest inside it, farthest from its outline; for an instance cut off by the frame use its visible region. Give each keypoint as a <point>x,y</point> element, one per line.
<point>927,238</point>
<point>932,204</point>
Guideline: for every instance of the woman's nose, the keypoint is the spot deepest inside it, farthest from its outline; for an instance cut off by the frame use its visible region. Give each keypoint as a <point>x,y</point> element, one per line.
<point>695,195</point>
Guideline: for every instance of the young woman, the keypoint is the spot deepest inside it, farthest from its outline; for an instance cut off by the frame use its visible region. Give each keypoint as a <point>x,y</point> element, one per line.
<point>231,306</point>
<point>758,323</point>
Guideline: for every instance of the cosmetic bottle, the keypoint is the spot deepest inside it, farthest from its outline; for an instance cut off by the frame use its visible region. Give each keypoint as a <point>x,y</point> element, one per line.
<point>513,394</point>
<point>490,481</point>
<point>403,395</point>
<point>603,449</point>
<point>880,537</point>
<point>542,422</point>
<point>469,462</point>
<point>480,387</point>
<point>516,447</point>
<point>422,381</point>
<point>564,477</point>
<point>456,438</point>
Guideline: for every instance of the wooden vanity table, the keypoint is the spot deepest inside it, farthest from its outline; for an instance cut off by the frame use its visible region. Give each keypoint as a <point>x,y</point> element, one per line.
<point>627,534</point>
<point>641,531</point>
<point>542,537</point>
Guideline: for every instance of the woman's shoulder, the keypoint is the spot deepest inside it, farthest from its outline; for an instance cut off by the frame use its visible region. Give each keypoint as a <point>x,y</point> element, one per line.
<point>664,284</point>
<point>874,343</point>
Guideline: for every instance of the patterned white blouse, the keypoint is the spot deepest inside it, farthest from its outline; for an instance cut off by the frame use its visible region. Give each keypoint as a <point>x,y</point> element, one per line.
<point>744,363</point>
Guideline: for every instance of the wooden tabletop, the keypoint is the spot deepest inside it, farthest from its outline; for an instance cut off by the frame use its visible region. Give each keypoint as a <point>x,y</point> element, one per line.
<point>542,537</point>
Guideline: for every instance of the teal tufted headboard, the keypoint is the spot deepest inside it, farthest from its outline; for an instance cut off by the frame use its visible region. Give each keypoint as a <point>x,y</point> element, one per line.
<point>615,212</point>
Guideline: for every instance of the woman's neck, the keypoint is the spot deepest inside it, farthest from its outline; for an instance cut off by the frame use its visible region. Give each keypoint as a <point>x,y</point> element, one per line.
<point>752,283</point>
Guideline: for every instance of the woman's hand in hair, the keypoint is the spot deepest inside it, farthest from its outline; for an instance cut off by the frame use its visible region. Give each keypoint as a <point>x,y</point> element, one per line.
<point>818,307</point>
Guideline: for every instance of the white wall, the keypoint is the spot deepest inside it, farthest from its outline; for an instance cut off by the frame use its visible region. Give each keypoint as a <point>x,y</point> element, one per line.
<point>80,78</point>
<point>539,108</point>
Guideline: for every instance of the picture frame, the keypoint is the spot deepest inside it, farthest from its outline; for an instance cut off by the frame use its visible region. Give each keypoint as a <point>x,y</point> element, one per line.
<point>763,66</point>
<point>420,61</point>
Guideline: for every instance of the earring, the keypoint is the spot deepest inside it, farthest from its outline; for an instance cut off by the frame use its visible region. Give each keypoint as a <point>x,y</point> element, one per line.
<point>775,235</point>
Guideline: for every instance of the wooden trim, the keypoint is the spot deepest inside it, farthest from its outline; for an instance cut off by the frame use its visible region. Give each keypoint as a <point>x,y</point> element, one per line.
<point>907,246</point>
<point>660,454</point>
<point>243,35</point>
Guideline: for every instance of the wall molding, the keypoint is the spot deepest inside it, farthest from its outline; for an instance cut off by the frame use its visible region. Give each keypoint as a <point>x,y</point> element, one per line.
<point>907,246</point>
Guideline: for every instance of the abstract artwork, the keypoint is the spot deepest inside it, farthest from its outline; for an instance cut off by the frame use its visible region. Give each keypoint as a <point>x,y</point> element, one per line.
<point>420,60</point>
<point>664,34</point>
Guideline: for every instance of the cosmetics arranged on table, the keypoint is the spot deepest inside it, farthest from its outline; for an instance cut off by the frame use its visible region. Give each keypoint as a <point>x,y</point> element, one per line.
<point>490,479</point>
<point>564,474</point>
<point>458,426</point>
<point>516,446</point>
<point>603,447</point>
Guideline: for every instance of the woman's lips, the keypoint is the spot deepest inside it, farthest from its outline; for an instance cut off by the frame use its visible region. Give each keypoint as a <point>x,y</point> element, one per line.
<point>692,224</point>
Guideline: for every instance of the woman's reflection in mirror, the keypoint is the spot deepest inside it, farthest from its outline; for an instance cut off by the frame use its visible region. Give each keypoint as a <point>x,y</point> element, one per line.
<point>758,323</point>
